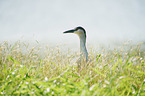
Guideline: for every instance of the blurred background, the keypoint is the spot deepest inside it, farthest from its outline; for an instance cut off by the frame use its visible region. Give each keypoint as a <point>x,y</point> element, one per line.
<point>107,22</point>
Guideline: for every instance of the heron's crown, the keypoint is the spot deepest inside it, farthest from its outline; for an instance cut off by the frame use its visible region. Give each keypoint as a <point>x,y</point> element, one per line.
<point>80,28</point>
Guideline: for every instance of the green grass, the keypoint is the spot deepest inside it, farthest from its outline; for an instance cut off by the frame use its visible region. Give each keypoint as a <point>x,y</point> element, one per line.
<point>36,71</point>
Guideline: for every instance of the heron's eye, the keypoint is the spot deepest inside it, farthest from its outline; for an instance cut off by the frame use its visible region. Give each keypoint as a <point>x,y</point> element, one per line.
<point>76,29</point>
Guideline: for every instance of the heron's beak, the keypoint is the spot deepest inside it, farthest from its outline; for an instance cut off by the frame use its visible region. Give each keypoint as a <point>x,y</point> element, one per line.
<point>69,31</point>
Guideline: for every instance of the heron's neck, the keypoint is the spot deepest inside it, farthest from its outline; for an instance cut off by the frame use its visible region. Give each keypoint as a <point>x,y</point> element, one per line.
<point>83,49</point>
<point>82,44</point>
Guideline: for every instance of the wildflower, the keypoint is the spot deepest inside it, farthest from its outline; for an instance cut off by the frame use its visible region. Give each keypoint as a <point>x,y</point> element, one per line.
<point>46,79</point>
<point>48,89</point>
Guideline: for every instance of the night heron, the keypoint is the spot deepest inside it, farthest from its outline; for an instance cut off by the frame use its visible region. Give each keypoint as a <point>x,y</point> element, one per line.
<point>80,31</point>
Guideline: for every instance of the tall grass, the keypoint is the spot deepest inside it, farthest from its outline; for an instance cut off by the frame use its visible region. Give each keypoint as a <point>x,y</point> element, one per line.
<point>26,70</point>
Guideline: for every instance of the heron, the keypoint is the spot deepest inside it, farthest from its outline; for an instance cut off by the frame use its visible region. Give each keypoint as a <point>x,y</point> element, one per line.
<point>80,31</point>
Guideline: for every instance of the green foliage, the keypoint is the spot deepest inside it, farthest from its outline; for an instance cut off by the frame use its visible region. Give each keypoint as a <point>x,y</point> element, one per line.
<point>33,71</point>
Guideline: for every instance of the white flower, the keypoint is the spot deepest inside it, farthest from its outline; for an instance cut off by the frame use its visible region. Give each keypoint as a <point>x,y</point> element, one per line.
<point>13,73</point>
<point>27,83</point>
<point>54,81</point>
<point>46,79</point>
<point>63,84</point>
<point>48,89</point>
<point>52,93</point>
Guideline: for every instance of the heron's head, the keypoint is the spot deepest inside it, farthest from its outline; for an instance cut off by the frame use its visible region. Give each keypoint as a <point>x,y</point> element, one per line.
<point>80,31</point>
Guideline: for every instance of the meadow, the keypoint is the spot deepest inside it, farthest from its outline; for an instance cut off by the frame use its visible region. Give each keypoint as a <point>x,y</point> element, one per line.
<point>32,71</point>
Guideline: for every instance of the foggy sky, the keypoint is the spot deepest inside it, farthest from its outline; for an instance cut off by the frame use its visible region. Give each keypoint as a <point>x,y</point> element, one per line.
<point>46,20</point>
